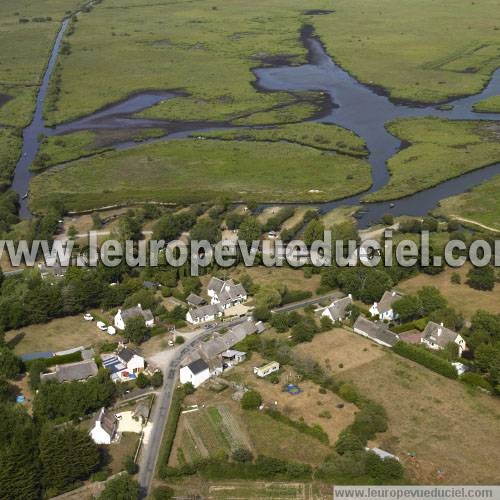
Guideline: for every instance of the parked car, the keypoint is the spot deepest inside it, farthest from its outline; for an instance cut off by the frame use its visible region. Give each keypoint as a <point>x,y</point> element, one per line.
<point>88,317</point>
<point>111,330</point>
<point>102,326</point>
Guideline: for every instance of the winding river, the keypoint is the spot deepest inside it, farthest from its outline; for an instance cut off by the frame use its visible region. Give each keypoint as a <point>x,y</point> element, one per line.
<point>357,107</point>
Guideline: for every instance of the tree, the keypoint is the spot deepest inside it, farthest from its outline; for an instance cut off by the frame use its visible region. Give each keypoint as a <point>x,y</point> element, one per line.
<point>313,231</point>
<point>10,364</point>
<point>121,488</point>
<point>431,299</point>
<point>304,331</point>
<point>157,379</point>
<point>142,381</point>
<point>388,219</point>
<point>163,493</point>
<point>242,455</point>
<point>136,330</point>
<point>130,466</point>
<point>383,470</point>
<point>206,229</point>
<point>348,442</point>
<point>250,230</point>
<point>325,323</point>
<point>72,232</point>
<point>481,278</point>
<point>251,400</point>
<point>8,391</point>
<point>408,307</point>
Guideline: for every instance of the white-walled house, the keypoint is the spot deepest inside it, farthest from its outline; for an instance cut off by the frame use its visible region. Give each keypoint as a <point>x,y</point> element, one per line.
<point>132,361</point>
<point>122,316</point>
<point>267,369</point>
<point>383,309</point>
<point>338,310</point>
<point>378,332</point>
<point>104,427</point>
<point>202,314</point>
<point>195,372</point>
<point>226,293</point>
<point>438,337</point>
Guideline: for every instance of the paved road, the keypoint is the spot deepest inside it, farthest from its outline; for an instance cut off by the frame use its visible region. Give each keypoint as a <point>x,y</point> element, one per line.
<point>161,409</point>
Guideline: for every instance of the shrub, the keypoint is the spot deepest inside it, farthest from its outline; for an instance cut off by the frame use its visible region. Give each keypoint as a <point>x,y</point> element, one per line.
<point>142,381</point>
<point>348,393</point>
<point>179,339</point>
<point>130,466</point>
<point>163,493</point>
<point>348,442</point>
<point>157,379</point>
<point>242,455</point>
<point>251,400</point>
<point>476,380</point>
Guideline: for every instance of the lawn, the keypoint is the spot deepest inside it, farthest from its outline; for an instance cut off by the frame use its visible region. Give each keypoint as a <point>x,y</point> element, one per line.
<point>207,49</point>
<point>57,335</point>
<point>481,205</point>
<point>185,171</point>
<point>461,297</point>
<point>316,135</point>
<point>118,452</point>
<point>422,51</point>
<point>489,105</point>
<point>438,150</point>
<point>447,426</point>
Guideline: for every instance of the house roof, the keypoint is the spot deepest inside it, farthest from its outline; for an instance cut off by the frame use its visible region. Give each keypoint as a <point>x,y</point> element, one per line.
<point>382,453</point>
<point>197,366</point>
<point>376,331</point>
<point>411,336</point>
<point>107,420</point>
<point>231,291</point>
<point>80,370</point>
<point>215,285</point>
<point>221,344</point>
<point>387,300</point>
<point>231,353</point>
<point>136,311</point>
<point>195,300</point>
<point>203,311</point>
<point>338,308</point>
<point>126,354</point>
<point>439,334</point>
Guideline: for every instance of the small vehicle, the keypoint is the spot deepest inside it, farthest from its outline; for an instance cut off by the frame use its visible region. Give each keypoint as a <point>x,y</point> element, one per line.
<point>102,326</point>
<point>88,317</point>
<point>111,330</point>
<point>171,343</point>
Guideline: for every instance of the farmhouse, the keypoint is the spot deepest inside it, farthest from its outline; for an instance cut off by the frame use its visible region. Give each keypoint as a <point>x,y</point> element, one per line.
<point>204,313</point>
<point>82,370</point>
<point>383,309</point>
<point>104,427</point>
<point>195,372</point>
<point>438,337</point>
<point>338,310</point>
<point>264,371</point>
<point>122,316</point>
<point>378,332</point>
<point>226,293</point>
<point>132,361</point>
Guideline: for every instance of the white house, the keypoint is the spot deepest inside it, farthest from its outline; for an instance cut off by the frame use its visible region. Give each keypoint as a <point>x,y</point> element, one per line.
<point>264,371</point>
<point>438,337</point>
<point>338,310</point>
<point>226,293</point>
<point>202,314</point>
<point>122,316</point>
<point>195,372</point>
<point>383,309</point>
<point>132,361</point>
<point>104,427</point>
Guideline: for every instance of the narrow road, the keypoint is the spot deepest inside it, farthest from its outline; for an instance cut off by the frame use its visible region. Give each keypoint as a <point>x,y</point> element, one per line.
<point>309,302</point>
<point>161,408</point>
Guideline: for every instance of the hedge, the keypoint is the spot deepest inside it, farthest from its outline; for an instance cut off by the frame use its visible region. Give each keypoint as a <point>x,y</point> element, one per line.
<point>314,431</point>
<point>169,433</point>
<point>74,357</point>
<point>422,356</point>
<point>476,380</point>
<point>295,296</point>
<point>418,324</point>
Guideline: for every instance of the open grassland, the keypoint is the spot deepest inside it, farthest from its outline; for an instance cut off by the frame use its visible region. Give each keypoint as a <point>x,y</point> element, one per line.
<point>411,53</point>
<point>190,171</point>
<point>57,335</point>
<point>490,105</point>
<point>245,490</point>
<point>316,135</point>
<point>60,149</point>
<point>439,150</point>
<point>27,32</point>
<point>10,145</point>
<point>460,296</point>
<point>207,49</point>
<point>446,426</point>
<point>481,205</point>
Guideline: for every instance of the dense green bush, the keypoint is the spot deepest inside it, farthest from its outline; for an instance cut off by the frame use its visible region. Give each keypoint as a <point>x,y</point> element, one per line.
<point>251,400</point>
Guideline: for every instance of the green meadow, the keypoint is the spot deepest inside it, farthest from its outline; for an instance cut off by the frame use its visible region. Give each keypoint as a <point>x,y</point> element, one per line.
<point>490,105</point>
<point>438,150</point>
<point>185,171</point>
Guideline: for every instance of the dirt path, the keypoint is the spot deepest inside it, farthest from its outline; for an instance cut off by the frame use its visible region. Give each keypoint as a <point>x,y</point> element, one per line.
<point>470,221</point>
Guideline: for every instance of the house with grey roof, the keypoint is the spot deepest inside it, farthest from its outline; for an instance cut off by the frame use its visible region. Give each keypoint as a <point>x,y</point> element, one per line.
<point>226,293</point>
<point>209,312</point>
<point>378,332</point>
<point>71,372</point>
<point>338,310</point>
<point>131,360</point>
<point>104,427</point>
<point>194,300</point>
<point>196,372</point>
<point>437,336</point>
<point>122,316</point>
<point>383,309</point>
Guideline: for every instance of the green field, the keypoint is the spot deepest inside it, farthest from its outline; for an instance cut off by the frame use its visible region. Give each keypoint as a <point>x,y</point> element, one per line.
<point>490,105</point>
<point>481,204</point>
<point>184,171</point>
<point>316,135</point>
<point>439,150</point>
<point>207,49</point>
<point>423,51</point>
<point>10,144</point>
